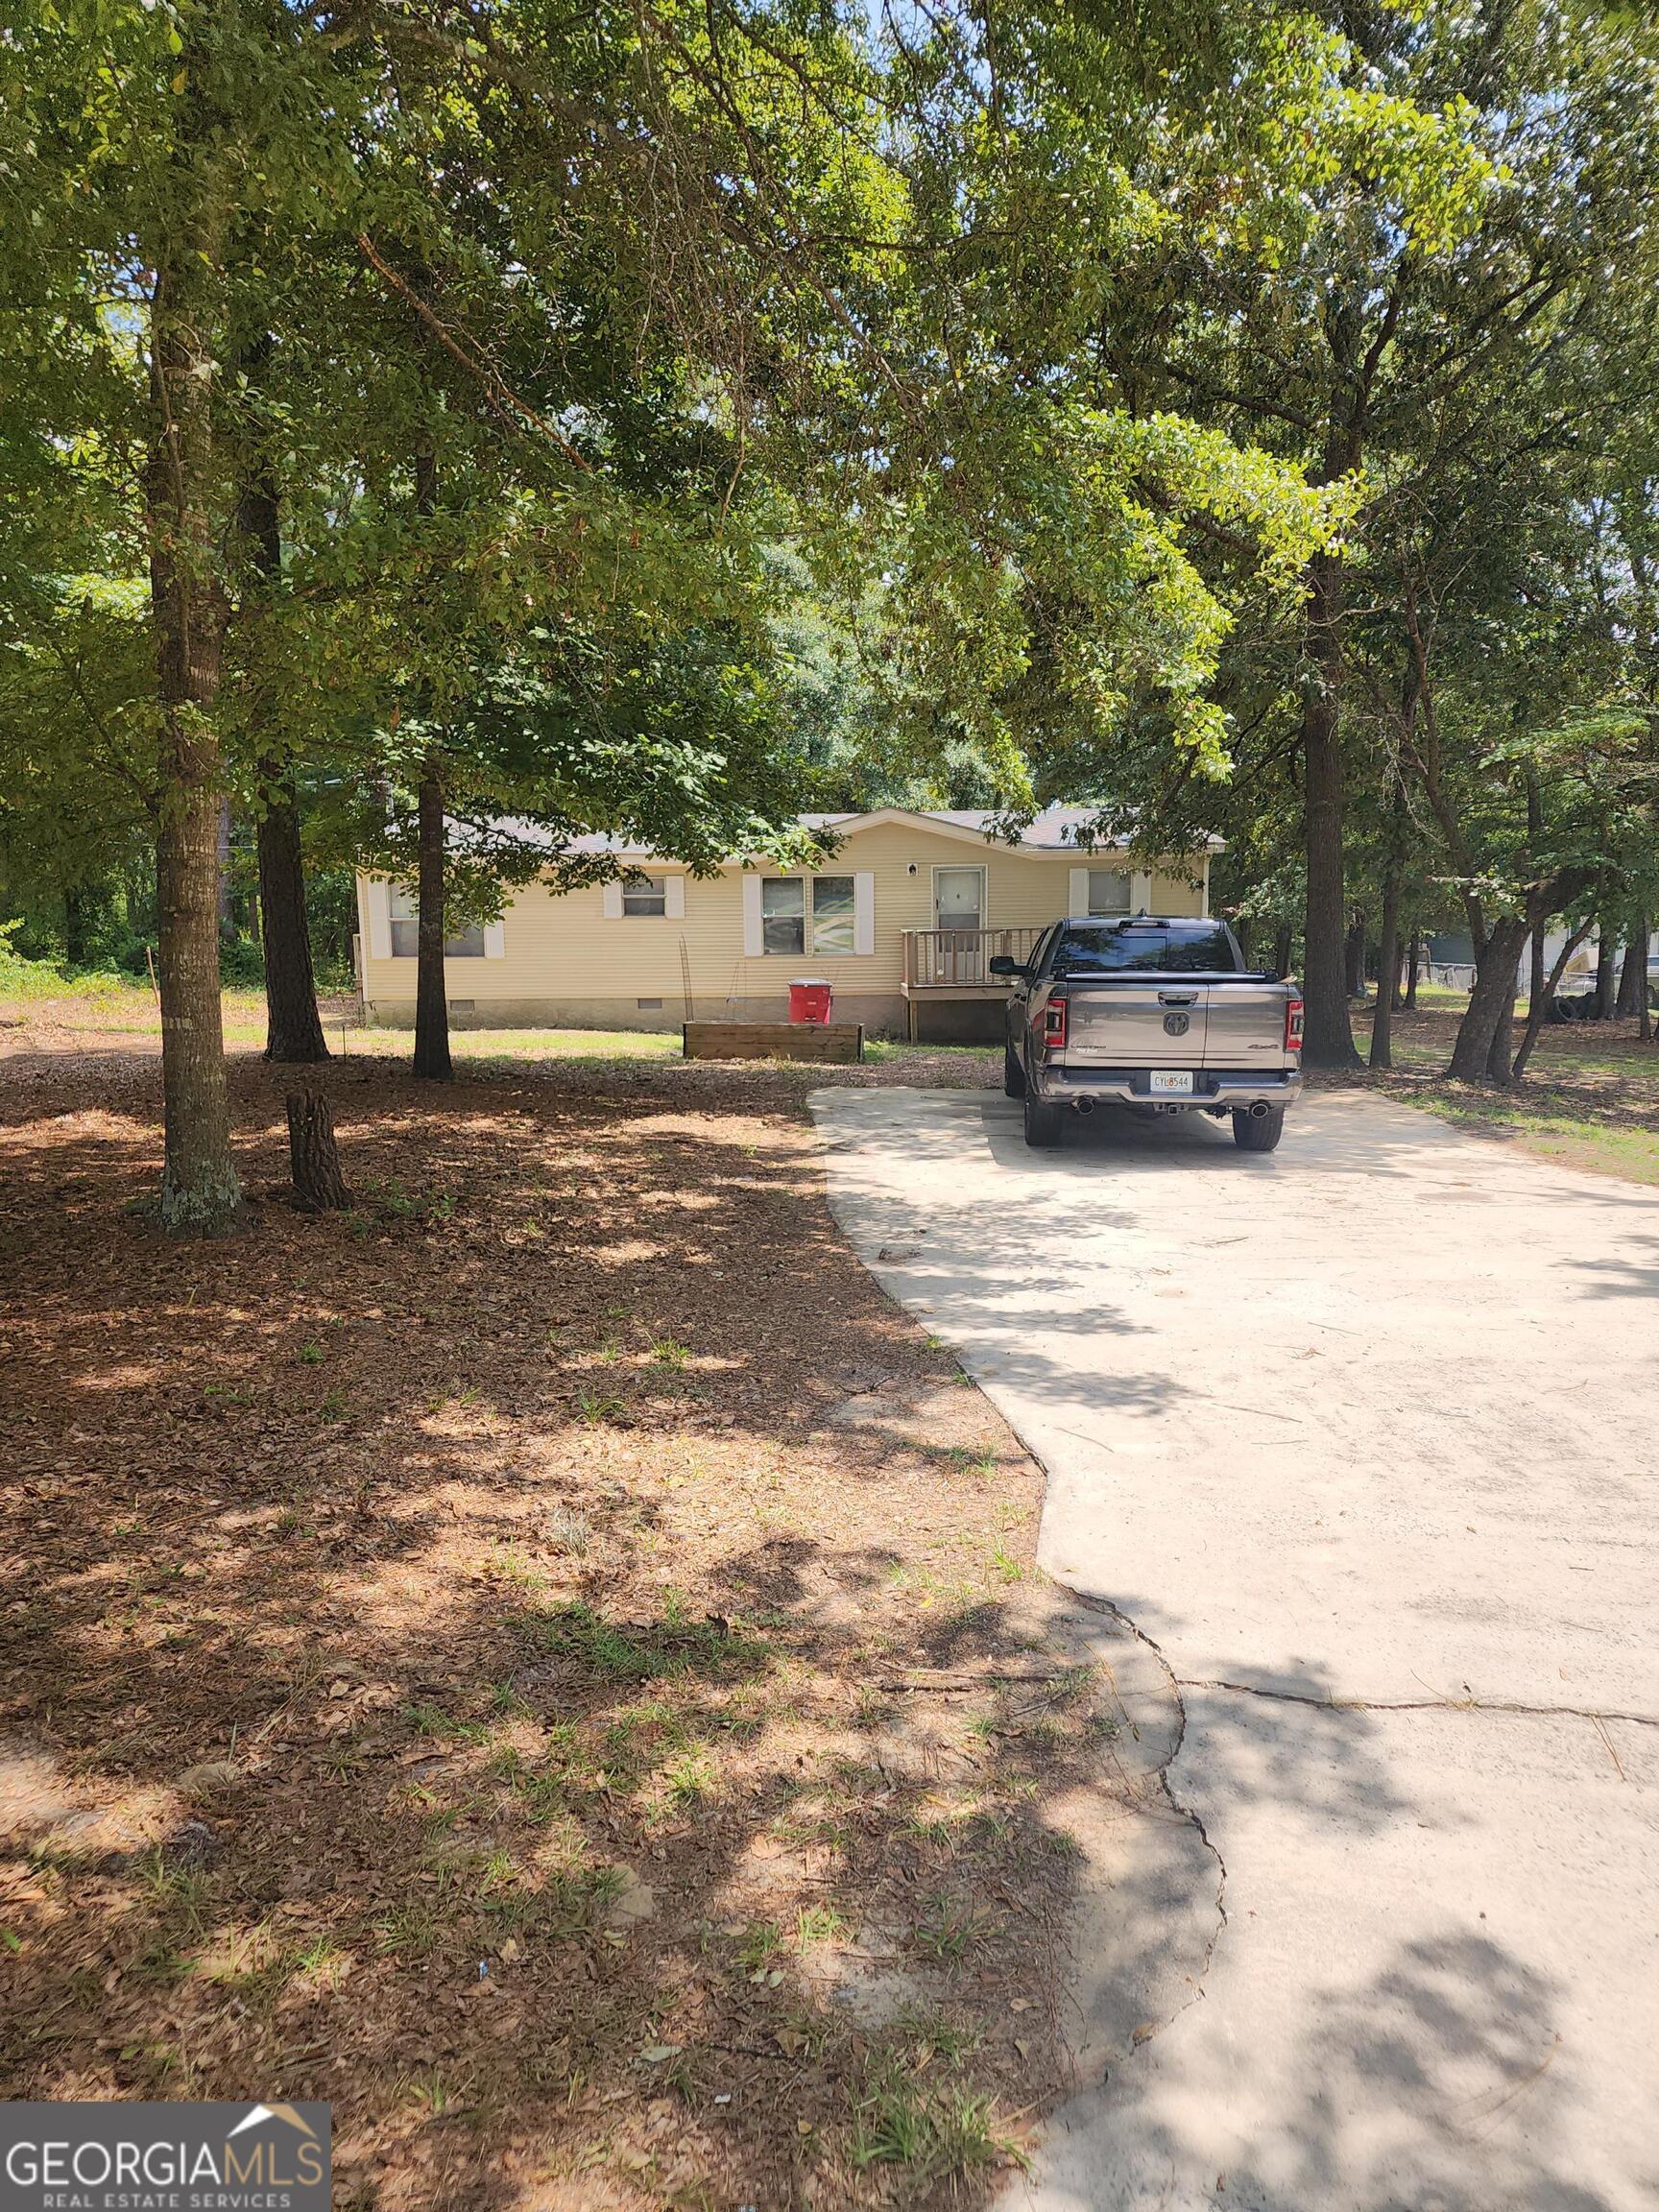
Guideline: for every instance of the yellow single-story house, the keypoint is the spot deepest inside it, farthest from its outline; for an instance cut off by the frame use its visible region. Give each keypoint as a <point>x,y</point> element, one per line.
<point>902,922</point>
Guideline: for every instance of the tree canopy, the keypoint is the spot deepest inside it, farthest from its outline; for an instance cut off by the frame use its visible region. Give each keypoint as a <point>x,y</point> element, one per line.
<point>1237,418</point>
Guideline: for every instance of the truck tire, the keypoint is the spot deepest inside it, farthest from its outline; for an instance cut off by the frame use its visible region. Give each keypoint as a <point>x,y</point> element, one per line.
<point>1042,1123</point>
<point>1013,1074</point>
<point>1258,1132</point>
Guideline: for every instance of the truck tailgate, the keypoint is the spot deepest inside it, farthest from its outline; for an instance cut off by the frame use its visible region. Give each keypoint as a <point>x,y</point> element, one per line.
<point>1158,1023</point>
<point>1246,1025</point>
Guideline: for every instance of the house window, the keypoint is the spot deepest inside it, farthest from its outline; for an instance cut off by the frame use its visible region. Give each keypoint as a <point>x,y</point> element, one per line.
<point>783,914</point>
<point>1108,892</point>
<point>465,945</point>
<point>645,895</point>
<point>831,914</point>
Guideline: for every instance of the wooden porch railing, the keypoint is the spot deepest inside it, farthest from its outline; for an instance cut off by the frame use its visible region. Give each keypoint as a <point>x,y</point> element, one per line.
<point>960,959</point>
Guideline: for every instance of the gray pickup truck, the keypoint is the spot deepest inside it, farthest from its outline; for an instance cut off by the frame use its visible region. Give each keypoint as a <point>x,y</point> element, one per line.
<point>1159,1015</point>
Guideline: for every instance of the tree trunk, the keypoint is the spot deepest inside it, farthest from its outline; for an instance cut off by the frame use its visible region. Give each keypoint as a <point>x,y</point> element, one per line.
<point>1605,982</point>
<point>1354,956</point>
<point>227,913</point>
<point>294,1027</point>
<point>1500,1052</point>
<point>1283,947</point>
<point>431,1007</point>
<point>1484,1028</point>
<point>1328,1038</point>
<point>313,1156</point>
<point>1544,990</point>
<point>200,1190</point>
<point>1414,964</point>
<point>1387,970</point>
<point>1632,976</point>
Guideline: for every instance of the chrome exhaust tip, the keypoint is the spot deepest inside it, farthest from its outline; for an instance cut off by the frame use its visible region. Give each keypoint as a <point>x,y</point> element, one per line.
<point>1259,1110</point>
<point>1084,1105</point>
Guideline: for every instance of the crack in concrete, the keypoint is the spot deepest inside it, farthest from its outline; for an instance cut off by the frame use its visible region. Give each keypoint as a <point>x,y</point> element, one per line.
<point>1187,1812</point>
<point>1319,1704</point>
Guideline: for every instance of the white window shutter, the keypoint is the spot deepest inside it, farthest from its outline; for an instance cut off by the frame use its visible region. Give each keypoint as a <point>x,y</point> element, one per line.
<point>495,940</point>
<point>377,897</point>
<point>754,933</point>
<point>1140,892</point>
<point>864,912</point>
<point>674,898</point>
<point>1077,896</point>
<point>613,902</point>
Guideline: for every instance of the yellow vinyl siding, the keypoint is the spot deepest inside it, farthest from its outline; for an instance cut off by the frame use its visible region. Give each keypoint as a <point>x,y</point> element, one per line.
<point>563,949</point>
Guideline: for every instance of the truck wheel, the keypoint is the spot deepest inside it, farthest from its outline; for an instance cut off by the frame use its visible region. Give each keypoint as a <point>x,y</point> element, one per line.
<point>1042,1123</point>
<point>1013,1074</point>
<point>1258,1132</point>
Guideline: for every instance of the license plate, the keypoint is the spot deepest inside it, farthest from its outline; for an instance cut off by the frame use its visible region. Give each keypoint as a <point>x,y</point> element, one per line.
<point>1170,1082</point>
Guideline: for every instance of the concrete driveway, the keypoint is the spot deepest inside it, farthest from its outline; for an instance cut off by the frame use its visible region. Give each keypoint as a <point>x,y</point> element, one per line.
<point>1362,1437</point>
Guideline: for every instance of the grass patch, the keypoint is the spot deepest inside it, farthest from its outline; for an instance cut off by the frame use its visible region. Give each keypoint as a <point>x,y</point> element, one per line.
<point>936,2129</point>
<point>816,1924</point>
<point>637,1650</point>
<point>944,1935</point>
<point>1571,1141</point>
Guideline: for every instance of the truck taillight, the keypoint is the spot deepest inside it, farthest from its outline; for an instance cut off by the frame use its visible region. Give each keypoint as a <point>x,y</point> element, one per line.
<point>1292,1024</point>
<point>1055,1024</point>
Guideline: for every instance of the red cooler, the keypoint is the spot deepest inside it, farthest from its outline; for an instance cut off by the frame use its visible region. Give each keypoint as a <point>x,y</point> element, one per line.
<point>810,1002</point>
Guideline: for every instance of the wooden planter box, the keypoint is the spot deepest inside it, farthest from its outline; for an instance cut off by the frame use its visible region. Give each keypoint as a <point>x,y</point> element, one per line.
<point>842,1041</point>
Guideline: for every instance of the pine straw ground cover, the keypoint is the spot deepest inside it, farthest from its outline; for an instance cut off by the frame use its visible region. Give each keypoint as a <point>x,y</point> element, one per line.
<point>548,1662</point>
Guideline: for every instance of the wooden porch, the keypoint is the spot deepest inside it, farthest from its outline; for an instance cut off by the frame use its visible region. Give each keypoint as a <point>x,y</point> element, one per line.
<point>955,964</point>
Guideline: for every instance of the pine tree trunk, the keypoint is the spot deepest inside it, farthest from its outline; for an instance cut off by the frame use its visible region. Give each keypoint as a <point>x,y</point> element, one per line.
<point>226,912</point>
<point>1328,1038</point>
<point>1354,956</point>
<point>1484,1029</point>
<point>200,1190</point>
<point>1387,970</point>
<point>294,1027</point>
<point>431,1006</point>
<point>313,1156</point>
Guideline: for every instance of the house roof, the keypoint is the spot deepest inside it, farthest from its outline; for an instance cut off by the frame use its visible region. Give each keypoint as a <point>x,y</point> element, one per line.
<point>1055,830</point>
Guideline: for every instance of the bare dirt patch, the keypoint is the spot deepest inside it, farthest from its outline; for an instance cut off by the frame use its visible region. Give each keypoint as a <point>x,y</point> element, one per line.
<point>549,1662</point>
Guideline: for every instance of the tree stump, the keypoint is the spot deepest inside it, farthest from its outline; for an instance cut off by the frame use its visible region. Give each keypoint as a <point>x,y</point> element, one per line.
<point>319,1188</point>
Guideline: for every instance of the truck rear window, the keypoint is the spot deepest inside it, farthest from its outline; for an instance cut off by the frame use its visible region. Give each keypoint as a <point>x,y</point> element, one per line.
<point>1176,947</point>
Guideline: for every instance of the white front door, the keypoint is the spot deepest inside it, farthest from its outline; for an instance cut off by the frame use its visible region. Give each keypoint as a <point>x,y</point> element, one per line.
<point>959,910</point>
<point>959,897</point>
